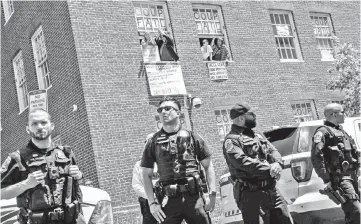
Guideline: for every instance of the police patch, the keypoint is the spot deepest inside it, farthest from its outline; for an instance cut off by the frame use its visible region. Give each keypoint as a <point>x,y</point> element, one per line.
<point>228,145</point>
<point>60,155</point>
<point>5,165</point>
<point>317,137</point>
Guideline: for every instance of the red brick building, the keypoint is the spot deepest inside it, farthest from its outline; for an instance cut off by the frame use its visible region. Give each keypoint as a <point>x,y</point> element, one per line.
<point>88,56</point>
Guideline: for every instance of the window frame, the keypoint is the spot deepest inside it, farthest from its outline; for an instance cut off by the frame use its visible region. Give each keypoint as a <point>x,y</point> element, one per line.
<point>7,5</point>
<point>331,29</point>
<point>21,88</point>
<point>227,109</point>
<point>166,17</point>
<point>44,61</point>
<point>222,25</point>
<point>295,35</point>
<point>313,110</point>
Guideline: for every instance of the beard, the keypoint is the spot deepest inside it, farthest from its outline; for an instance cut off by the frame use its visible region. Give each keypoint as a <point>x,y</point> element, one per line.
<point>250,120</point>
<point>40,136</point>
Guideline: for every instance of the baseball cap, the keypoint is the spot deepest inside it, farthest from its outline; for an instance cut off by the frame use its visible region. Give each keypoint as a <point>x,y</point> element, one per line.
<point>239,109</point>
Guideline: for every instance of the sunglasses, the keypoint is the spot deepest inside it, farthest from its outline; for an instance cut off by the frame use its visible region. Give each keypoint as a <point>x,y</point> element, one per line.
<point>166,109</point>
<point>205,42</point>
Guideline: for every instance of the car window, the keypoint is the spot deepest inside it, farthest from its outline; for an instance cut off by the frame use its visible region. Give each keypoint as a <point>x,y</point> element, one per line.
<point>283,139</point>
<point>305,140</point>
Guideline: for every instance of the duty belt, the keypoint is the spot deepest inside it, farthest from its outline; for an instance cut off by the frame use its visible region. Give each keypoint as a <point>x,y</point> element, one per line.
<point>254,185</point>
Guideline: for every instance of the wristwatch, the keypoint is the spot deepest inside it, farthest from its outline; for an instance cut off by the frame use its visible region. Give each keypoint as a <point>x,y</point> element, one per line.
<point>213,193</point>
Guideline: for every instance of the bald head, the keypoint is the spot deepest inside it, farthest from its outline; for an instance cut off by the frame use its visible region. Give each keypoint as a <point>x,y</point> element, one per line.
<point>38,111</point>
<point>334,113</point>
<point>332,108</point>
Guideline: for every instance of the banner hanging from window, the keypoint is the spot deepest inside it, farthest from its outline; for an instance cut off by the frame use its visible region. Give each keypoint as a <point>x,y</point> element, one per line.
<point>165,79</point>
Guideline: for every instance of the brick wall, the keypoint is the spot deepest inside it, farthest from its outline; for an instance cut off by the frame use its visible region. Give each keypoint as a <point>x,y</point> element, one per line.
<point>117,102</point>
<point>66,88</point>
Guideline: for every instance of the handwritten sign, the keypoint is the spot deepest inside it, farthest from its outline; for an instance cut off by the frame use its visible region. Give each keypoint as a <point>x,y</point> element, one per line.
<point>165,79</point>
<point>217,70</point>
<point>38,99</point>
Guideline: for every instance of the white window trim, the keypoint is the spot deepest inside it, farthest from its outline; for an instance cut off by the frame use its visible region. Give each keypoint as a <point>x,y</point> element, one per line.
<point>331,30</point>
<point>6,6</point>
<point>311,102</point>
<point>38,70</point>
<point>22,108</point>
<point>219,108</point>
<point>166,16</point>
<point>296,41</point>
<point>223,27</point>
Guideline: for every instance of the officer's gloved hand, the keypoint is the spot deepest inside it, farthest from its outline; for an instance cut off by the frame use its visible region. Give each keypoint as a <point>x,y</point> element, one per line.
<point>35,178</point>
<point>276,169</point>
<point>75,172</point>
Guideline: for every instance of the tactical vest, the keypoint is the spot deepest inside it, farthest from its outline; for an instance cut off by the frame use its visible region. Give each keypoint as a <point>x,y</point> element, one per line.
<point>340,141</point>
<point>55,166</point>
<point>175,156</point>
<point>256,148</point>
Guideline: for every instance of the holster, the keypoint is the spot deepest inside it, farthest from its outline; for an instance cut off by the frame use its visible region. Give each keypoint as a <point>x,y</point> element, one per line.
<point>23,216</point>
<point>56,215</point>
<point>144,206</point>
<point>36,218</point>
<point>192,184</point>
<point>171,190</point>
<point>71,211</point>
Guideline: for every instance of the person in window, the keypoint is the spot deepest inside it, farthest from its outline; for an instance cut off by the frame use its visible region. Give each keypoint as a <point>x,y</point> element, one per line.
<point>166,47</point>
<point>220,50</point>
<point>150,48</point>
<point>206,50</point>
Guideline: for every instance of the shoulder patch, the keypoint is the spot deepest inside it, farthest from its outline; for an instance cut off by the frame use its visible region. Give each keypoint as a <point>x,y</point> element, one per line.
<point>5,165</point>
<point>317,137</point>
<point>60,155</point>
<point>228,145</point>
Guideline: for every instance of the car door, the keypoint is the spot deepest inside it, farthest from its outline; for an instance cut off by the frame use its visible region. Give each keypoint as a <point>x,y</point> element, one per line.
<point>357,129</point>
<point>284,140</point>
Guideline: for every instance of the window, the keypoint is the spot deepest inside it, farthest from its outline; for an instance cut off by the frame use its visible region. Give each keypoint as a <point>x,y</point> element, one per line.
<point>337,101</point>
<point>20,81</point>
<point>322,28</point>
<point>8,9</point>
<point>41,59</point>
<point>150,16</point>
<point>283,139</point>
<point>303,111</point>
<point>285,35</point>
<point>154,32</point>
<point>224,123</point>
<point>210,27</point>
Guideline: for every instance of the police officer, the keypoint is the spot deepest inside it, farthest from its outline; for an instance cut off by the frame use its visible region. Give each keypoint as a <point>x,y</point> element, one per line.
<point>254,165</point>
<point>178,154</point>
<point>138,186</point>
<point>43,178</point>
<point>335,160</point>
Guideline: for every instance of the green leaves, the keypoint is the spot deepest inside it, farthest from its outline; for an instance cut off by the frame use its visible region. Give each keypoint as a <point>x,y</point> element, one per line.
<point>346,75</point>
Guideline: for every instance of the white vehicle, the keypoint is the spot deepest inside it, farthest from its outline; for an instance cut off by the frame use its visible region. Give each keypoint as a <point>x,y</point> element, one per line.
<point>299,183</point>
<point>96,207</point>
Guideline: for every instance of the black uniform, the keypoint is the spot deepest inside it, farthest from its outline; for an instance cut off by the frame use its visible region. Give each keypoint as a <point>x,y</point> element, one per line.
<point>335,159</point>
<point>57,201</point>
<point>248,155</point>
<point>178,159</point>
